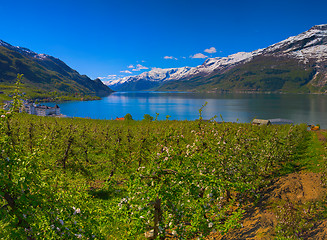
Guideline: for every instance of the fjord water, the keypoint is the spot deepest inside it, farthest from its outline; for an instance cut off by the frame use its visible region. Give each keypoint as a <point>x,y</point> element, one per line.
<point>301,108</point>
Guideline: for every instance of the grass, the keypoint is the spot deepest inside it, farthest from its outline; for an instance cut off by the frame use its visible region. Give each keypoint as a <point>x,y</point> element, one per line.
<point>310,157</point>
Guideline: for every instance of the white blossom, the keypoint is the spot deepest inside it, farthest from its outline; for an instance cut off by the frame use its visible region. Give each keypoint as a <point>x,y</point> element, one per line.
<point>78,210</point>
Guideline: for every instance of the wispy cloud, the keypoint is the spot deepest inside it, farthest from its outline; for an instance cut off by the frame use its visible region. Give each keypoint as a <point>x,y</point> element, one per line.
<point>126,71</point>
<point>170,57</point>
<point>210,50</point>
<point>131,66</point>
<point>139,67</point>
<point>199,55</point>
<point>109,77</point>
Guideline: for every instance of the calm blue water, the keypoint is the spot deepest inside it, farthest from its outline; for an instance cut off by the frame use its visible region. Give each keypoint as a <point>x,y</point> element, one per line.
<point>311,109</point>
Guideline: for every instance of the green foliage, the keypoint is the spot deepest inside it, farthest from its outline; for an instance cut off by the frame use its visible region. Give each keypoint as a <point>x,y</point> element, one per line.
<point>17,103</point>
<point>176,178</point>
<point>34,203</point>
<point>147,118</point>
<point>128,117</point>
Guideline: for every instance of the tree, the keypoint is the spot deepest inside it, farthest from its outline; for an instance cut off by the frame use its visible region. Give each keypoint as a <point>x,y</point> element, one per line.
<point>128,117</point>
<point>147,118</point>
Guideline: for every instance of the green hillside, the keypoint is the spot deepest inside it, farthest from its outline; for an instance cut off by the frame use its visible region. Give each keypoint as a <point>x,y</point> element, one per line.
<point>44,78</point>
<point>262,74</point>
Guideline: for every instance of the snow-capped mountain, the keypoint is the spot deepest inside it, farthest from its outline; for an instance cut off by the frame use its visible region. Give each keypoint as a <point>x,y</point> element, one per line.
<point>309,47</point>
<point>159,76</point>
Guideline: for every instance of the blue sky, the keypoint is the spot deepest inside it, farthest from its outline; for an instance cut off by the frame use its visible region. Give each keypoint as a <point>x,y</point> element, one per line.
<point>127,37</point>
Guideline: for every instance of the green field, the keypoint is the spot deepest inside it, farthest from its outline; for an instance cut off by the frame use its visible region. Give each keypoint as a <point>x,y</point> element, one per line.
<point>100,179</point>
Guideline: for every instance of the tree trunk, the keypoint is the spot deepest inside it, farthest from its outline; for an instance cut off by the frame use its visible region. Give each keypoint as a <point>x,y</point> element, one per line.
<point>157,218</point>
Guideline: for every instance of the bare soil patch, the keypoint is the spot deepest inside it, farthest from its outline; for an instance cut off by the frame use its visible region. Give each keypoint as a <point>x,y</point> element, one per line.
<point>294,190</point>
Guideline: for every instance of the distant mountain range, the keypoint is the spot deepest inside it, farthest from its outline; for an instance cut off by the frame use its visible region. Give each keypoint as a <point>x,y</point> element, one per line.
<point>297,64</point>
<point>44,74</point>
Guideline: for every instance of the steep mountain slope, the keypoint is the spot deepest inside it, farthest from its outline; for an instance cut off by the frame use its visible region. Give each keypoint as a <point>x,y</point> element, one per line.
<point>44,73</point>
<point>297,64</point>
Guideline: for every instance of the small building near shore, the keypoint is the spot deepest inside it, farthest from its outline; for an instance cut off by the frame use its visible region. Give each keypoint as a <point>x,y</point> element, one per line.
<point>41,110</point>
<point>260,122</point>
<point>34,109</point>
<point>275,121</point>
<point>119,119</point>
<point>47,111</point>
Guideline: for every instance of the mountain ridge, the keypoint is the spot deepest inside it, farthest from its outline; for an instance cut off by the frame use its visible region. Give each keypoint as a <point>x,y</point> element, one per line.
<point>44,75</point>
<point>308,49</point>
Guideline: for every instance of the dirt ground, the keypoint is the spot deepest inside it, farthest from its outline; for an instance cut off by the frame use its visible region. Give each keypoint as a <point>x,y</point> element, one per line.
<point>300,192</point>
<point>296,189</point>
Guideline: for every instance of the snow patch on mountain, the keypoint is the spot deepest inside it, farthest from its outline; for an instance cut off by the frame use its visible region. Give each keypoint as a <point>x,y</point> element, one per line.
<point>25,51</point>
<point>311,44</point>
<point>315,52</point>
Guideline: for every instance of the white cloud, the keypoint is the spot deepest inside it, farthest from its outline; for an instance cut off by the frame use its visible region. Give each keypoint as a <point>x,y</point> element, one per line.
<point>126,71</point>
<point>199,55</point>
<point>210,50</point>
<point>139,67</point>
<point>170,57</point>
<point>109,77</point>
<point>131,66</point>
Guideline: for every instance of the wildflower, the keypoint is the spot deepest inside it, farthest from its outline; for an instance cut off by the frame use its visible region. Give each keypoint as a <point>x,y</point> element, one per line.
<point>3,116</point>
<point>61,221</point>
<point>210,225</point>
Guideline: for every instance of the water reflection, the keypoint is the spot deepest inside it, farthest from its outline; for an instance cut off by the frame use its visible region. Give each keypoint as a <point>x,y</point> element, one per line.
<point>185,106</point>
